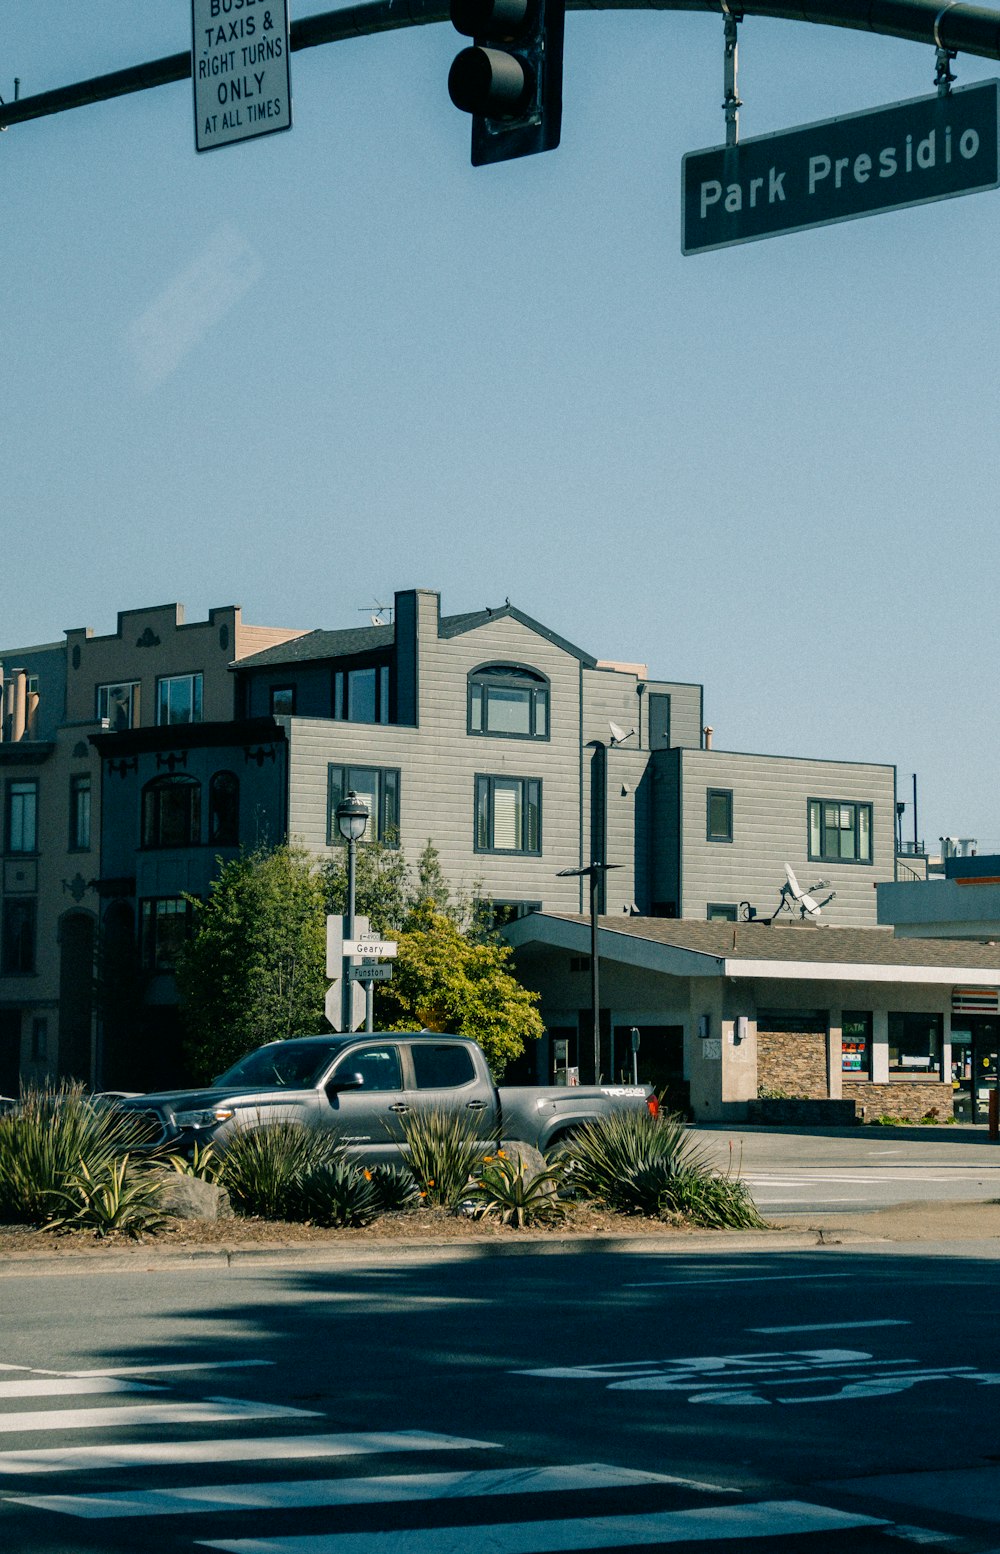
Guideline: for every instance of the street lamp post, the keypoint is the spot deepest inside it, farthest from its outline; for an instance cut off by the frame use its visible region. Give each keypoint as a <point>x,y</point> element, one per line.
<point>352,818</point>
<point>593,872</point>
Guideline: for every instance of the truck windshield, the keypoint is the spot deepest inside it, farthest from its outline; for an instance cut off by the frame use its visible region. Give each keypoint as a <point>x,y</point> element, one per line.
<point>297,1064</point>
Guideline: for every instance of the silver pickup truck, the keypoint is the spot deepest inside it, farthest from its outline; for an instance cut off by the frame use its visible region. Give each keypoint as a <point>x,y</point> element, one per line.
<point>363,1086</point>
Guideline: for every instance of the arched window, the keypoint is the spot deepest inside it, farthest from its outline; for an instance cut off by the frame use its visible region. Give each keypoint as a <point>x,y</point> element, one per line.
<point>508,701</point>
<point>171,812</point>
<point>224,809</point>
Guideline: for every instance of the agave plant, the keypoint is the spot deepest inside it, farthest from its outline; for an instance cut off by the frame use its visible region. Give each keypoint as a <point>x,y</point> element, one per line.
<point>203,1163</point>
<point>45,1139</point>
<point>114,1197</point>
<point>337,1193</point>
<point>507,1191</point>
<point>395,1187</point>
<point>443,1150</point>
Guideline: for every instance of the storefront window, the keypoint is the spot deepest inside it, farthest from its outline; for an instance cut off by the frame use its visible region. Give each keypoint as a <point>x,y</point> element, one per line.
<point>915,1045</point>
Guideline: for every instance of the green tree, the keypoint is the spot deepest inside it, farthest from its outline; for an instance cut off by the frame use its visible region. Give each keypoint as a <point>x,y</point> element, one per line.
<point>381,885</point>
<point>254,968</point>
<point>444,981</point>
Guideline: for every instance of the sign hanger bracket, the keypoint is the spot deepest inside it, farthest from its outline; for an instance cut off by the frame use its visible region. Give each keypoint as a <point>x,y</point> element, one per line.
<point>943,75</point>
<point>732,104</point>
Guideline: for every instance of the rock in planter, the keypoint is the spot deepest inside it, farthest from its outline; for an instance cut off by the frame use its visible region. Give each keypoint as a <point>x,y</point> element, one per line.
<point>524,1157</point>
<point>190,1197</point>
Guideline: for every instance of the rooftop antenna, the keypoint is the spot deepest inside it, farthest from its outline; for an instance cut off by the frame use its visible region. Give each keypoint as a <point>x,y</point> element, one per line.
<point>805,900</point>
<point>380,611</point>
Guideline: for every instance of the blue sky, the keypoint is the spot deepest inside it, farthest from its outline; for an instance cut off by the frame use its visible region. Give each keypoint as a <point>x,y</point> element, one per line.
<point>300,373</point>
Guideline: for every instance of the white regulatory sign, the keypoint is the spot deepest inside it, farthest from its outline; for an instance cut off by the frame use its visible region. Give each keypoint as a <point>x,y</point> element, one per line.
<point>374,949</point>
<point>239,66</point>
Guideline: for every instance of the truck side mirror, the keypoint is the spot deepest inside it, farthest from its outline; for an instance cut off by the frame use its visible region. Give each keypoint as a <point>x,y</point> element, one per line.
<point>345,1082</point>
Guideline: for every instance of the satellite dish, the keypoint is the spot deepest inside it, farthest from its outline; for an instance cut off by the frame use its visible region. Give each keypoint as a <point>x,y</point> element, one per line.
<point>618,735</point>
<point>805,900</point>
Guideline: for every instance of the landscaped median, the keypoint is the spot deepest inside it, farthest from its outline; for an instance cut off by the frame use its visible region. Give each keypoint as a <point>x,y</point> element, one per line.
<point>74,1172</point>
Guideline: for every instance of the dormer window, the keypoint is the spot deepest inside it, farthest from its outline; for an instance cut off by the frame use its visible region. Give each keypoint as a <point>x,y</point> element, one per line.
<point>509,702</point>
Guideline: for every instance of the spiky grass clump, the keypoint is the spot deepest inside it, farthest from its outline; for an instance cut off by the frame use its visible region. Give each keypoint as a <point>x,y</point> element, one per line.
<point>639,1164</point>
<point>47,1139</point>
<point>263,1168</point>
<point>443,1150</point>
<point>714,1201</point>
<point>284,1171</point>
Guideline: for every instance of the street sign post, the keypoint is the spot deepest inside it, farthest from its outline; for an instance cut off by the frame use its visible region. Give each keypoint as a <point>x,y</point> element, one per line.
<point>240,71</point>
<point>907,153</point>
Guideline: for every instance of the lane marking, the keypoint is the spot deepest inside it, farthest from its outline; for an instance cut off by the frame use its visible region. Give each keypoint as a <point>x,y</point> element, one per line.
<point>68,1386</point>
<point>697,1368</point>
<point>379,1489</point>
<point>212,1411</point>
<point>170,1370</point>
<point>72,1459</point>
<point>765,1519</point>
<point>752,1278</point>
<point>832,1327</point>
<point>141,1370</point>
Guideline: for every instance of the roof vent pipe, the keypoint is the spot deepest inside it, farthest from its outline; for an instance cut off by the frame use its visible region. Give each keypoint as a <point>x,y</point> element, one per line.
<point>707,733</point>
<point>19,709</point>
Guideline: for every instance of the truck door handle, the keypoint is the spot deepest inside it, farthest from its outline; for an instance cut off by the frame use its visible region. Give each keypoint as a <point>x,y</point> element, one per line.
<point>398,1106</point>
<point>475,1106</point>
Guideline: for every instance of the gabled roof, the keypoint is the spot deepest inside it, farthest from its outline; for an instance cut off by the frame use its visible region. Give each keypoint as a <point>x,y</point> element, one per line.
<point>315,645</point>
<point>455,625</point>
<point>689,947</point>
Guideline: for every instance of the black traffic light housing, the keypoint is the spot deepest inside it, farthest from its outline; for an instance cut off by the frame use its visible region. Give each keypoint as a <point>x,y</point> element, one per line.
<point>511,79</point>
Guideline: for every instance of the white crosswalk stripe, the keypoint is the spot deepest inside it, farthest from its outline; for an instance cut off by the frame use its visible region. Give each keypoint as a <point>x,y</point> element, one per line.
<point>379,1489</point>
<point>258,1515</point>
<point>68,1386</point>
<point>762,1519</point>
<point>213,1411</point>
<point>161,1454</point>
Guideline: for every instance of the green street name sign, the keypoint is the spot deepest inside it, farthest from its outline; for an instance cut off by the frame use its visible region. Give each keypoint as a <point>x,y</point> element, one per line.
<point>929,148</point>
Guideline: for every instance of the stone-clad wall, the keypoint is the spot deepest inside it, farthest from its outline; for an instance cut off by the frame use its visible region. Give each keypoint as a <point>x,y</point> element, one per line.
<point>793,1061</point>
<point>911,1099</point>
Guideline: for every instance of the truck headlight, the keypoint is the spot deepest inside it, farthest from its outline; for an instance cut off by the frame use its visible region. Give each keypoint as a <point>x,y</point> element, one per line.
<point>205,1119</point>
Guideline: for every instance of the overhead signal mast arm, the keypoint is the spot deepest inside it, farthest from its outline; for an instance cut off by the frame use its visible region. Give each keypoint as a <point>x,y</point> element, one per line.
<point>968,29</point>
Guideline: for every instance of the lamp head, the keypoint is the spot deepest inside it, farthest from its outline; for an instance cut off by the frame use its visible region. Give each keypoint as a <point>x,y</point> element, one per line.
<point>352,817</point>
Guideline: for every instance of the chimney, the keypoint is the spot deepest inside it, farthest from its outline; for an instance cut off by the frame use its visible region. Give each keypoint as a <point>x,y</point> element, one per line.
<point>708,731</point>
<point>31,713</point>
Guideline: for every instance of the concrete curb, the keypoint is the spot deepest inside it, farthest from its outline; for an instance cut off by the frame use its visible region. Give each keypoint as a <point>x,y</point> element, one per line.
<point>150,1257</point>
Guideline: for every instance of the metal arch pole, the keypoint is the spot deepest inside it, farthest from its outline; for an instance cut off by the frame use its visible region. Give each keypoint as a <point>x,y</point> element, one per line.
<point>966,29</point>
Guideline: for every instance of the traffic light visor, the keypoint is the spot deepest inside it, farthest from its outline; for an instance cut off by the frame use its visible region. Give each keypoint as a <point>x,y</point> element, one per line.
<point>498,20</point>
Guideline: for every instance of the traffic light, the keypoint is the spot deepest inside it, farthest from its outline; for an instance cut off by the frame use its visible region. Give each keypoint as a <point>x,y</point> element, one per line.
<point>511,79</point>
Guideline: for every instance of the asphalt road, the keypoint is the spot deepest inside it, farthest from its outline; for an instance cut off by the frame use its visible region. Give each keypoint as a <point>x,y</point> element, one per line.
<point>791,1172</point>
<point>833,1401</point>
